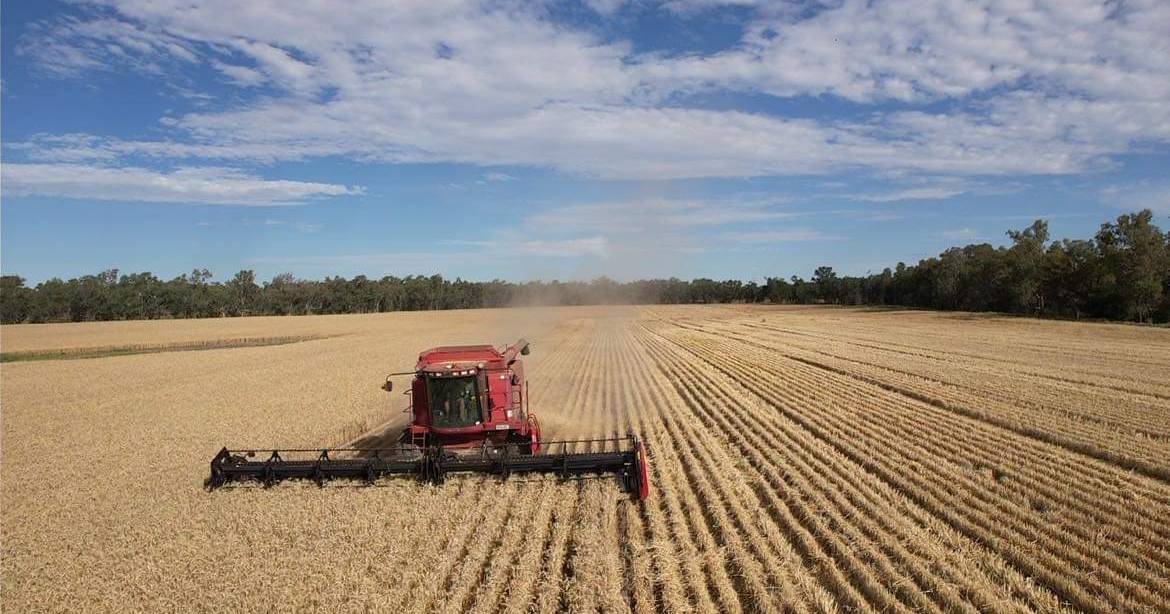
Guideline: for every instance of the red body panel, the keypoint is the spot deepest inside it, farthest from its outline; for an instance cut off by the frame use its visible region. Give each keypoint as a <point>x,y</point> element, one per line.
<point>501,387</point>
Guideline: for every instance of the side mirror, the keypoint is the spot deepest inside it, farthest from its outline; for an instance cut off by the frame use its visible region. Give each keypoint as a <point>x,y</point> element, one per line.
<point>389,385</point>
<point>524,350</point>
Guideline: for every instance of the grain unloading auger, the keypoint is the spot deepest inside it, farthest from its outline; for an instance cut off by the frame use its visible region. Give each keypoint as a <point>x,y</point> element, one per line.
<point>469,414</point>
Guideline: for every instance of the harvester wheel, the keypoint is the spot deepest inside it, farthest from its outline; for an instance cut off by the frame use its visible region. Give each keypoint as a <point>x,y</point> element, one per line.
<point>518,445</point>
<point>533,434</point>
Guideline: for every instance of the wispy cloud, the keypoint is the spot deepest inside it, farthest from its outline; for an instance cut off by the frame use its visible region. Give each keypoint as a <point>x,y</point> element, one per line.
<point>929,188</point>
<point>880,217</point>
<point>960,234</point>
<point>1153,195</point>
<point>568,248</point>
<point>200,185</point>
<point>240,75</point>
<point>1026,217</point>
<point>349,83</point>
<point>414,262</point>
<point>304,227</point>
<point>70,47</point>
<point>922,193</point>
<point>651,234</point>
<point>443,259</point>
<point>496,176</point>
<point>788,235</point>
<point>640,216</point>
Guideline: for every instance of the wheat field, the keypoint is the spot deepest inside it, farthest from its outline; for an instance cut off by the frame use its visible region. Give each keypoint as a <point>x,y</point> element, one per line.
<point>803,459</point>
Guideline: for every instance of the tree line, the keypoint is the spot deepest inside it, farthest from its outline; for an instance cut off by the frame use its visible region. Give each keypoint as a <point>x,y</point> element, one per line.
<point>1122,273</point>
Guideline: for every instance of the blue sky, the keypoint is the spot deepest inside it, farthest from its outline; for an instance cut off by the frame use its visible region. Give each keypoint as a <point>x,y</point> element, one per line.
<point>559,139</point>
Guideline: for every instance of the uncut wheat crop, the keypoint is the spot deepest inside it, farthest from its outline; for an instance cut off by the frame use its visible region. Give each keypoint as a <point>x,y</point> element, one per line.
<point>803,459</point>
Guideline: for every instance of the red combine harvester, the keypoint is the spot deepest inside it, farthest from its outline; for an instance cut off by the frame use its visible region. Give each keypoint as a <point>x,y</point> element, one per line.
<point>469,414</point>
<point>464,396</point>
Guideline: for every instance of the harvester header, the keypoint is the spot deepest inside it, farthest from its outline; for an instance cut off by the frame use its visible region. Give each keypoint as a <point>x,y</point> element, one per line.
<point>469,414</point>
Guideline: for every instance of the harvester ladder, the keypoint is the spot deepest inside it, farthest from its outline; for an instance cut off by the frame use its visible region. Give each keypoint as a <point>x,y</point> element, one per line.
<point>518,400</point>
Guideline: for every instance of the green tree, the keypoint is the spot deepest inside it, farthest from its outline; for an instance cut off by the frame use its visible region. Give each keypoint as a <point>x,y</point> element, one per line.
<point>1024,260</point>
<point>243,294</point>
<point>140,296</point>
<point>1124,272</point>
<point>1071,277</point>
<point>52,301</point>
<point>15,299</point>
<point>827,284</point>
<point>1133,251</point>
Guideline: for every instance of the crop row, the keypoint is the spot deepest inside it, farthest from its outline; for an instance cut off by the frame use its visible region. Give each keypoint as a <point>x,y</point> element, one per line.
<point>1082,528</point>
<point>1121,358</point>
<point>1123,428</point>
<point>874,547</point>
<point>1062,368</point>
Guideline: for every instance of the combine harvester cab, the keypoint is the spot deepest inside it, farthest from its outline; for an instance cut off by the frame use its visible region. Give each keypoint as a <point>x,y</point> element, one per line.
<point>469,414</point>
<point>468,396</point>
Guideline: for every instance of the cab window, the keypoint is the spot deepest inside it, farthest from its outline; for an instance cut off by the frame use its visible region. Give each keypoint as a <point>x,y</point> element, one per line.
<point>454,401</point>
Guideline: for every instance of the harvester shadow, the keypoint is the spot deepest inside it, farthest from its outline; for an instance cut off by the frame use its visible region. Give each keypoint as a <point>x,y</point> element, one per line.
<point>388,436</point>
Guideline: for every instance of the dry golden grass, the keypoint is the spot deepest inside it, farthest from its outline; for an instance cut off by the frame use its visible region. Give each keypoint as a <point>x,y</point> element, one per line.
<point>804,459</point>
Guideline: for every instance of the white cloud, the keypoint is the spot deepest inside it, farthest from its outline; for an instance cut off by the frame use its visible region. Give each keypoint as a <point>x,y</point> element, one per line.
<point>652,234</point>
<point>1024,217</point>
<point>643,237</point>
<point>568,248</point>
<point>688,7</point>
<point>495,176</point>
<point>605,7</point>
<point>280,66</point>
<point>788,235</point>
<point>652,216</point>
<point>466,252</point>
<point>240,75</point>
<point>881,217</point>
<point>1153,195</point>
<point>77,147</point>
<point>960,234</point>
<point>919,193</point>
<point>1037,88</point>
<point>411,262</point>
<point>206,185</point>
<point>71,47</point>
<point>621,239</point>
<point>928,49</point>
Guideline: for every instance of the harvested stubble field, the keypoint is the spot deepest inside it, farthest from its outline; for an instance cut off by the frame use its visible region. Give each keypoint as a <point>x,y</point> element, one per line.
<point>803,459</point>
